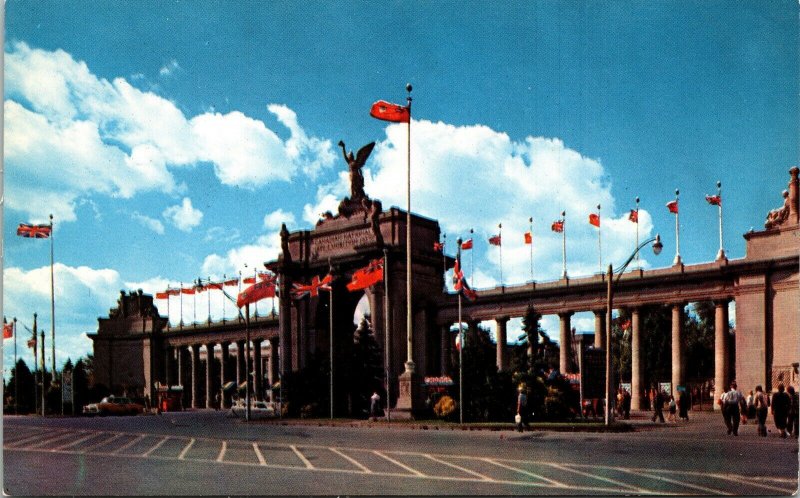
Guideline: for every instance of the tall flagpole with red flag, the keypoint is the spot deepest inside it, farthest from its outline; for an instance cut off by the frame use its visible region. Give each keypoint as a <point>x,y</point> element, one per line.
<point>409,314</point>
<point>460,340</point>
<point>529,240</point>
<point>637,231</point>
<point>674,208</point>
<point>52,303</point>
<point>564,244</point>
<point>594,220</point>
<point>718,201</point>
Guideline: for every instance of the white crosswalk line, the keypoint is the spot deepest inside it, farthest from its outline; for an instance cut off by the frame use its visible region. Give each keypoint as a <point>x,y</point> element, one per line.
<point>221,457</point>
<point>301,457</point>
<point>675,481</point>
<point>89,448</point>
<point>351,460</point>
<point>602,478</point>
<point>154,448</point>
<point>186,449</point>
<point>129,444</point>
<point>399,464</point>
<point>50,440</point>
<point>462,469</point>
<point>260,456</point>
<point>522,471</point>
<point>74,442</point>
<point>19,442</point>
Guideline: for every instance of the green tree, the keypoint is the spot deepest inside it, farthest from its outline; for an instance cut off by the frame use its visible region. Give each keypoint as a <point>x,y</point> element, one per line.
<point>25,387</point>
<point>365,370</point>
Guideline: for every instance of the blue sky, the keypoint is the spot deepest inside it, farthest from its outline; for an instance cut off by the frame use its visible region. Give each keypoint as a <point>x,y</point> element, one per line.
<point>171,139</point>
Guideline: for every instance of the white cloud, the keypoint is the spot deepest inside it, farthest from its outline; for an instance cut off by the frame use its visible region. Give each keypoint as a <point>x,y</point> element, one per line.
<point>78,135</point>
<point>273,220</point>
<point>151,223</point>
<point>246,258</point>
<point>169,68</point>
<point>183,216</point>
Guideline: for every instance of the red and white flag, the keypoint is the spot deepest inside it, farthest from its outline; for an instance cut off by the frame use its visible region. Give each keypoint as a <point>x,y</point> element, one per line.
<point>466,245</point>
<point>460,283</point>
<point>634,216</point>
<point>8,330</point>
<point>367,277</point>
<point>386,111</point>
<point>34,231</point>
<point>673,207</point>
<point>528,238</point>
<point>438,246</point>
<point>458,340</point>
<point>594,219</point>
<point>301,290</point>
<point>255,292</point>
<point>557,226</point>
<point>249,280</point>
<point>231,282</point>
<point>495,240</point>
<point>714,200</point>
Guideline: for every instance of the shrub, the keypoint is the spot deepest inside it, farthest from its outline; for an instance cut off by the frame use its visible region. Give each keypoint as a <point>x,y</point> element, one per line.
<point>444,407</point>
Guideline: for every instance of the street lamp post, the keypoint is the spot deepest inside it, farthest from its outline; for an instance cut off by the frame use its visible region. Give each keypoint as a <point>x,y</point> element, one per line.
<point>657,246</point>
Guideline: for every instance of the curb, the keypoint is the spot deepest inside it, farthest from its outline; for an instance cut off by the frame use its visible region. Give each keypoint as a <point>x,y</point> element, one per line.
<point>543,427</point>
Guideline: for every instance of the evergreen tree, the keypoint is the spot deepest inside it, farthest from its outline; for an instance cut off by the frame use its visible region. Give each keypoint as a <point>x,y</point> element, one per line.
<point>366,369</point>
<point>26,385</point>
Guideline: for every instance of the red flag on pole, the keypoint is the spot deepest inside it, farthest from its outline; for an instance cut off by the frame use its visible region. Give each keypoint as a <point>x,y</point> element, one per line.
<point>438,246</point>
<point>634,216</point>
<point>458,341</point>
<point>594,219</point>
<point>255,293</point>
<point>231,282</point>
<point>8,330</point>
<point>466,245</point>
<point>557,226</point>
<point>301,290</point>
<point>249,280</point>
<point>387,111</point>
<point>528,238</point>
<point>673,207</point>
<point>714,200</point>
<point>34,231</point>
<point>162,295</point>
<point>190,290</point>
<point>214,285</point>
<point>173,292</point>
<point>460,284</point>
<point>368,276</point>
<point>495,240</point>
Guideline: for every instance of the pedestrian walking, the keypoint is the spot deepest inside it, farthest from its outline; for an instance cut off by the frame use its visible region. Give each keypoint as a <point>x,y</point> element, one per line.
<point>761,407</point>
<point>780,409</point>
<point>794,412</point>
<point>683,406</point>
<point>732,403</point>
<point>626,403</point>
<point>751,408</point>
<point>375,404</point>
<point>672,409</point>
<point>522,409</point>
<point>658,406</point>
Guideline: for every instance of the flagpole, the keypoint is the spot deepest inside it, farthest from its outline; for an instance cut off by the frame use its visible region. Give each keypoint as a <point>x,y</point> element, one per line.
<point>409,315</point>
<point>530,221</point>
<point>224,279</point>
<point>471,259</point>
<point>500,234</point>
<point>180,293</point>
<point>564,245</point>
<point>330,326</point>
<point>599,239</point>
<point>16,374</point>
<point>255,304</point>
<point>460,350</point>
<point>247,363</point>
<point>444,260</point>
<point>386,330</point>
<point>637,231</point>
<point>168,296</point>
<point>677,260</point>
<point>721,253</point>
<point>209,300</point>
<point>52,301</point>
<point>44,402</point>
<point>35,367</point>
<point>194,307</point>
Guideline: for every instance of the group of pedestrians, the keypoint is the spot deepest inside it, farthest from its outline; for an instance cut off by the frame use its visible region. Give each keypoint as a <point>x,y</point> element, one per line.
<point>783,405</point>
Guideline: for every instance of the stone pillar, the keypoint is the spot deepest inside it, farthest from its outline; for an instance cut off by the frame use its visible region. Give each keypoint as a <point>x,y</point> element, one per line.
<point>565,342</point>
<point>472,333</point>
<point>285,327</point>
<point>274,374</point>
<point>721,367</point>
<point>168,357</point>
<point>677,348</point>
<point>600,329</point>
<point>794,197</point>
<point>502,347</point>
<point>240,365</point>
<point>195,355</point>
<point>210,363</point>
<point>637,373</point>
<point>258,372</point>
<point>223,371</point>
<point>444,362</point>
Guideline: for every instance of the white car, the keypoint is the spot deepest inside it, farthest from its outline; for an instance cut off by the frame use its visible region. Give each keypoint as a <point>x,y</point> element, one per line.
<point>258,409</point>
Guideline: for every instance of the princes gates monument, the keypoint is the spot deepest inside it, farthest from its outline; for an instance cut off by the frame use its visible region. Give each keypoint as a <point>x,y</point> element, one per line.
<point>135,347</point>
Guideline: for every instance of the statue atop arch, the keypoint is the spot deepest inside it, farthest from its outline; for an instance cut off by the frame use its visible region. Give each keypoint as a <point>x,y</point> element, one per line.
<point>355,163</point>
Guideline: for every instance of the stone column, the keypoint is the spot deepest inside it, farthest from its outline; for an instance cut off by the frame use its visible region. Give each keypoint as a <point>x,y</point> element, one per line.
<point>240,365</point>
<point>195,355</point>
<point>720,348</point>
<point>258,372</point>
<point>168,356</point>
<point>637,373</point>
<point>677,348</point>
<point>565,342</point>
<point>502,347</point>
<point>223,373</point>
<point>472,333</point>
<point>444,362</point>
<point>274,374</point>
<point>210,363</point>
<point>600,329</point>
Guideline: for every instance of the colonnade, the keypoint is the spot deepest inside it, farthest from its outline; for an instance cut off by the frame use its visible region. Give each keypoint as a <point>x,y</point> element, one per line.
<point>204,378</point>
<point>678,357</point>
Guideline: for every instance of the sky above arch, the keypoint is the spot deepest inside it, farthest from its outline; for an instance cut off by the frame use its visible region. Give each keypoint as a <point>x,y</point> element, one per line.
<point>170,140</point>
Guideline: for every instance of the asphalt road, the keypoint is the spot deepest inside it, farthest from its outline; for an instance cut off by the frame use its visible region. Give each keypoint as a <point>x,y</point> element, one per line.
<point>208,453</point>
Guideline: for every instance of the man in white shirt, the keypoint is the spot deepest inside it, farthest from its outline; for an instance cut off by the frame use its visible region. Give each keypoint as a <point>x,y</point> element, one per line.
<point>731,403</point>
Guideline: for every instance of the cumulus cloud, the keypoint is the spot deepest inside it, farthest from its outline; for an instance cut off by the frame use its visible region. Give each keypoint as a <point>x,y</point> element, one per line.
<point>80,135</point>
<point>274,219</point>
<point>252,256</point>
<point>183,216</point>
<point>151,223</point>
<point>169,68</point>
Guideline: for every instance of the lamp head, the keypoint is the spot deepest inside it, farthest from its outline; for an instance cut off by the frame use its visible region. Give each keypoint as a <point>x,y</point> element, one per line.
<point>657,245</point>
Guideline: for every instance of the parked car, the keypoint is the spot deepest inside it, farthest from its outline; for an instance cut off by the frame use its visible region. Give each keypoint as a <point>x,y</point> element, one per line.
<point>113,405</point>
<point>258,409</point>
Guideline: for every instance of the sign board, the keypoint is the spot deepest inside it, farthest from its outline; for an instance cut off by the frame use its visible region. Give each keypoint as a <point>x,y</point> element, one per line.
<point>665,386</point>
<point>439,381</point>
<point>593,368</point>
<point>626,386</point>
<point>66,386</point>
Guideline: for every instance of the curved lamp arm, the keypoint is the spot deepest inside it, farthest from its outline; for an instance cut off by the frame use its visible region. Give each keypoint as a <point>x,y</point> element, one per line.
<point>656,248</point>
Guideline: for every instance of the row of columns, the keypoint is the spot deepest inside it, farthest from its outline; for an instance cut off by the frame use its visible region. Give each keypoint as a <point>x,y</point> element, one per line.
<point>220,370</point>
<point>721,331</point>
